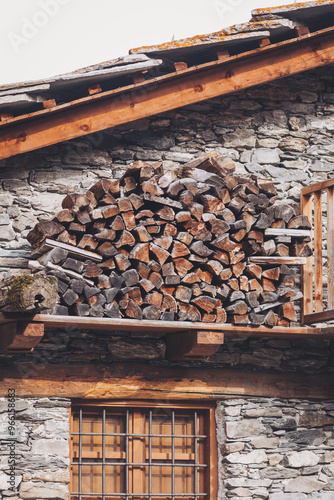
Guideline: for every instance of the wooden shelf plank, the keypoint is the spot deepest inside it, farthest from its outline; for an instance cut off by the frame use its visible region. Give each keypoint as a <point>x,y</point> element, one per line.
<point>110,324</point>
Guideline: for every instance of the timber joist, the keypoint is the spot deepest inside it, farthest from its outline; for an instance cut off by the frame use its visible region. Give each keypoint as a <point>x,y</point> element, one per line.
<point>164,93</point>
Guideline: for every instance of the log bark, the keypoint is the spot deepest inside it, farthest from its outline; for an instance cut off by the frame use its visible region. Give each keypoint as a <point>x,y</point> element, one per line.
<point>28,294</point>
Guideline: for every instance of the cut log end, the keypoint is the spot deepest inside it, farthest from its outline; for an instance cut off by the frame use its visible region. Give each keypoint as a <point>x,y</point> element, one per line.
<point>29,293</point>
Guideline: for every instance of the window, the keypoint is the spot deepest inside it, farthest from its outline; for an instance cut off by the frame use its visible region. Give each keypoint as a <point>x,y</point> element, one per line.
<point>132,451</point>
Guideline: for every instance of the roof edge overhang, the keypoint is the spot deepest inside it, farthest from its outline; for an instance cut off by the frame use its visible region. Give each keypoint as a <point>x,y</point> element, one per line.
<point>164,93</point>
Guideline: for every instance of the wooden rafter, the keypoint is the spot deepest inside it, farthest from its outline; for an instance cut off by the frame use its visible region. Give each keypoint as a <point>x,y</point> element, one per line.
<point>164,93</point>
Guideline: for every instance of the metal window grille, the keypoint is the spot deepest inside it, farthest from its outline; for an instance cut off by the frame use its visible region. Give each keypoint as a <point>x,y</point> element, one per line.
<point>147,453</point>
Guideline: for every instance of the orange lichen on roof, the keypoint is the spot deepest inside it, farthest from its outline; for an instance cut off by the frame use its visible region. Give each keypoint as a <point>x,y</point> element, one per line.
<point>294,6</point>
<point>211,38</point>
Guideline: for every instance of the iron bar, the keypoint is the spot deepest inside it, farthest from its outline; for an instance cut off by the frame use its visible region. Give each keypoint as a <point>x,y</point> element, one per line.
<point>150,456</point>
<point>146,495</point>
<point>173,452</point>
<point>144,464</point>
<point>103,453</point>
<point>127,456</point>
<point>80,454</point>
<point>196,457</point>
<point>202,436</point>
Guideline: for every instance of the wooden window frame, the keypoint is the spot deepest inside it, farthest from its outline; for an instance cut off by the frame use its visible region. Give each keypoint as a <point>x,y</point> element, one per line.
<point>210,447</point>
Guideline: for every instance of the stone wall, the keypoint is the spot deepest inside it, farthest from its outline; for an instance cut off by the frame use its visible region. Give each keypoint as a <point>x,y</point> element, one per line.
<point>268,448</point>
<point>281,130</point>
<point>41,449</point>
<point>276,449</point>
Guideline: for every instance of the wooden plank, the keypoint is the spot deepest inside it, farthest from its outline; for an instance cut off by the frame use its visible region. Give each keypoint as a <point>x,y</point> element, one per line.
<point>105,110</point>
<point>330,247</point>
<point>295,233</point>
<point>307,270</point>
<point>193,344</point>
<point>86,254</point>
<point>135,381</point>
<point>318,294</point>
<point>17,262</point>
<point>111,324</point>
<point>319,317</point>
<point>317,186</point>
<point>297,261</point>
<point>35,265</point>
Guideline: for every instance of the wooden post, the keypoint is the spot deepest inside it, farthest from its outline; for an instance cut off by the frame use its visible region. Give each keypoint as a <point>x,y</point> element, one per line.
<point>330,247</point>
<point>307,272</point>
<point>318,294</point>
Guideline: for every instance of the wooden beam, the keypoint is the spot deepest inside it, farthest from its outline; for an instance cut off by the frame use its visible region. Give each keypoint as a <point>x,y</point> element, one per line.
<point>124,324</point>
<point>108,109</point>
<point>135,381</point>
<point>193,344</point>
<point>317,186</point>
<point>318,317</point>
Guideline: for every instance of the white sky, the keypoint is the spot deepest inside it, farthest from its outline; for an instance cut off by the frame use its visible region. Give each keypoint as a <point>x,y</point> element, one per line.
<point>41,38</point>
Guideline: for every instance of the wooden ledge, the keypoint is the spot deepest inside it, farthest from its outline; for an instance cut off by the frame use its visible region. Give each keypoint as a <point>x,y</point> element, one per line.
<point>198,340</point>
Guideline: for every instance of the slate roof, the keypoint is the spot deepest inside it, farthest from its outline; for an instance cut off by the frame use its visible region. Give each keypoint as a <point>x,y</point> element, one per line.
<point>267,26</point>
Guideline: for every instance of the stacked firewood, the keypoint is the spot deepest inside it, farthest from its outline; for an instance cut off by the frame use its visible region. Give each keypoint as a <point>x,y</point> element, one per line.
<point>176,245</point>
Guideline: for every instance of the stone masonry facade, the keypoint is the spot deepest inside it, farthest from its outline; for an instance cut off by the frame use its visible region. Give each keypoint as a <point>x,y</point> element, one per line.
<point>269,448</point>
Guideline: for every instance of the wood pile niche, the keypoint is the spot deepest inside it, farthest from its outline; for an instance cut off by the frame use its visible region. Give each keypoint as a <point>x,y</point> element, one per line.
<point>197,243</point>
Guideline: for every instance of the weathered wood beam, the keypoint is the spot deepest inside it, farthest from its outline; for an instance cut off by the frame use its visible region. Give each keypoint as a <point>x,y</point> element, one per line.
<point>108,109</point>
<point>193,344</point>
<point>157,383</point>
<point>318,317</point>
<point>124,324</point>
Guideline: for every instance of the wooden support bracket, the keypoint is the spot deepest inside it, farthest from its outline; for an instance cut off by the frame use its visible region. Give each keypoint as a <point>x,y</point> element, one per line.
<point>222,55</point>
<point>179,66</point>
<point>6,116</point>
<point>94,89</point>
<point>17,337</point>
<point>51,103</point>
<point>193,344</point>
<point>302,30</point>
<point>138,78</point>
<point>264,42</point>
